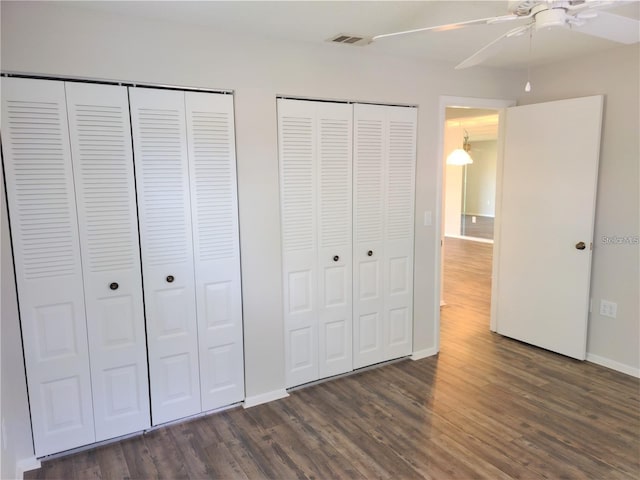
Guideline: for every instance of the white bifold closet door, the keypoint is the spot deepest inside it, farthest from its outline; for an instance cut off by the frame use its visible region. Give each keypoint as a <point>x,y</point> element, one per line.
<point>67,154</point>
<point>315,152</point>
<point>46,248</point>
<point>384,186</point>
<point>214,207</point>
<point>100,136</point>
<point>162,178</point>
<point>184,150</point>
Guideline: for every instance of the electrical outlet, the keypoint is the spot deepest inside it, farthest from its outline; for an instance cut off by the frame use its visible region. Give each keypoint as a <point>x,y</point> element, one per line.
<point>473,219</point>
<point>608,309</point>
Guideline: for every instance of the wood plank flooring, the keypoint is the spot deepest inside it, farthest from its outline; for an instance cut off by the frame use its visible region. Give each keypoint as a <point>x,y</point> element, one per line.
<point>485,407</point>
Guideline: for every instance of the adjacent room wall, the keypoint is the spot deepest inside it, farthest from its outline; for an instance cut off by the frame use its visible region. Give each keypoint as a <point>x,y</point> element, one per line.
<point>481,178</point>
<point>452,179</point>
<point>616,266</point>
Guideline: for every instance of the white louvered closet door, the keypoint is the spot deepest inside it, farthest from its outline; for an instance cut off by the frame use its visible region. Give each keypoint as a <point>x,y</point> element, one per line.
<point>296,150</point>
<point>384,184</point>
<point>315,152</point>
<point>401,123</point>
<point>368,227</point>
<point>162,180</point>
<point>333,176</point>
<point>103,166</point>
<point>212,165</point>
<point>46,249</point>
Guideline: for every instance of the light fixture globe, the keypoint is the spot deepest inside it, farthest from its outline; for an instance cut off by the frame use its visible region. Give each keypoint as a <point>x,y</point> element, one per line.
<point>460,156</point>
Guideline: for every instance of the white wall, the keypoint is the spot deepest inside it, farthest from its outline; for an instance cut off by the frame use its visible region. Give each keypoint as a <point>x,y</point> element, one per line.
<point>616,268</point>
<point>481,178</point>
<point>15,411</point>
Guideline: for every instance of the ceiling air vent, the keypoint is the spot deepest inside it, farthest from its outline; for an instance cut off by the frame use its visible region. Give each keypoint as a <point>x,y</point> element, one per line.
<point>350,39</point>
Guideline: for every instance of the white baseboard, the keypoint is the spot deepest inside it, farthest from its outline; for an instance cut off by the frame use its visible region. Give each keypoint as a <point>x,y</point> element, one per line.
<point>265,398</point>
<point>613,365</point>
<point>427,352</point>
<point>471,239</point>
<point>25,465</point>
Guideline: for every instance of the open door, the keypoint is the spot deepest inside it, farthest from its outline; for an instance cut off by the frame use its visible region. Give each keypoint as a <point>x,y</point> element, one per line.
<point>542,254</point>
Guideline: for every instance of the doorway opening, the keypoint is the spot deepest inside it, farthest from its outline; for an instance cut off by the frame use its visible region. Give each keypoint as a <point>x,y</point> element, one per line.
<point>468,205</point>
<point>470,188</point>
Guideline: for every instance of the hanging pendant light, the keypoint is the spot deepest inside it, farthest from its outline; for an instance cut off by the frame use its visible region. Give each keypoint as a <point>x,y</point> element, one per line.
<point>460,156</point>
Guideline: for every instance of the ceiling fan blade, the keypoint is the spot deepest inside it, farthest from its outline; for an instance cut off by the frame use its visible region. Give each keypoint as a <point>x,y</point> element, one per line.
<point>612,27</point>
<point>492,48</point>
<point>453,26</point>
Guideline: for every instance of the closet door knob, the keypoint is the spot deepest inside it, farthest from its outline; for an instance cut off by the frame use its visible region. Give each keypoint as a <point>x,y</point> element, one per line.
<point>370,252</point>
<point>170,278</point>
<point>336,258</point>
<point>113,286</point>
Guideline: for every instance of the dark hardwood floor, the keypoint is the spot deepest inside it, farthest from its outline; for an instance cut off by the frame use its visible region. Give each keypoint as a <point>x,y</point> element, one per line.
<point>485,407</point>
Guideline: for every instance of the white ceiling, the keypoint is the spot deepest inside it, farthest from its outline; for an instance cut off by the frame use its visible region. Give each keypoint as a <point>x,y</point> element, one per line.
<point>316,21</point>
<point>480,124</point>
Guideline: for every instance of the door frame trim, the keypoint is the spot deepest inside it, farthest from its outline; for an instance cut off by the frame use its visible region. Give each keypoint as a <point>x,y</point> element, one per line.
<point>468,102</point>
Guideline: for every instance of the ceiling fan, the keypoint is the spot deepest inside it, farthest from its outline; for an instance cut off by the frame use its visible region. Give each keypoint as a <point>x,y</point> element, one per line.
<point>585,16</point>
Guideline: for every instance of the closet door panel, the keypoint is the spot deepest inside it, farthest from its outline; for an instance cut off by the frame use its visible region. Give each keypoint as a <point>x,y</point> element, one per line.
<point>297,147</point>
<point>101,151</point>
<point>400,156</point>
<point>44,229</point>
<point>368,224</point>
<point>162,180</point>
<point>212,165</point>
<point>334,222</point>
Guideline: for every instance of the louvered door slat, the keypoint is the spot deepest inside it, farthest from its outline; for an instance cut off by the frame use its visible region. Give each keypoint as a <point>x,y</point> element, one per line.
<point>212,162</point>
<point>101,150</point>
<point>162,180</point>
<point>296,152</point>
<point>46,249</point>
<point>333,179</point>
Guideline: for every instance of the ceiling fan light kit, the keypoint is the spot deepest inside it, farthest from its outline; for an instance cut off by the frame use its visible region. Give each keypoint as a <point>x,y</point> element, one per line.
<point>584,16</point>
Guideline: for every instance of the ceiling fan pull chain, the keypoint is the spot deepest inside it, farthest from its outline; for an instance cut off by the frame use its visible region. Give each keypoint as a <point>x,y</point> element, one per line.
<point>527,87</point>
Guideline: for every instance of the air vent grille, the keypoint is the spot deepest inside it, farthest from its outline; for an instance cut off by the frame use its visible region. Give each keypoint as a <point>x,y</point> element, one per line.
<point>348,39</point>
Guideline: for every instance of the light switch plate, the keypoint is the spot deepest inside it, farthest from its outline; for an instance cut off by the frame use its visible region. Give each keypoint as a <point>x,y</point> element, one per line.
<point>608,309</point>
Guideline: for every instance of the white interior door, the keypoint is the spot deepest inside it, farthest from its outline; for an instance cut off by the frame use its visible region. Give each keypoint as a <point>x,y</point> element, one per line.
<point>100,136</point>
<point>546,214</point>
<point>214,202</point>
<point>334,159</point>
<point>44,230</point>
<point>162,179</point>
